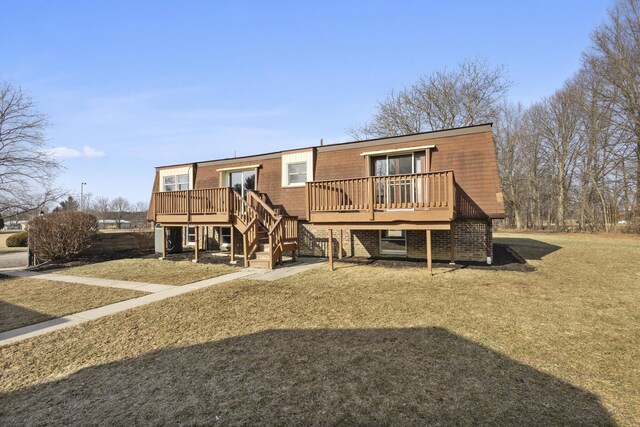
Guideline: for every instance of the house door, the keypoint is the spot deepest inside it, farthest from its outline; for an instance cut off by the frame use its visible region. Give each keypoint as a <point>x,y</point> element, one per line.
<point>243,181</point>
<point>398,190</point>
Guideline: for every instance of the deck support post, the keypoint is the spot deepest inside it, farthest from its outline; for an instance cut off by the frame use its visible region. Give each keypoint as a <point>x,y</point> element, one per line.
<point>429,267</point>
<point>244,250</point>
<point>233,246</point>
<point>371,201</point>
<point>340,244</point>
<point>330,249</point>
<point>452,242</point>
<point>164,242</point>
<point>197,246</point>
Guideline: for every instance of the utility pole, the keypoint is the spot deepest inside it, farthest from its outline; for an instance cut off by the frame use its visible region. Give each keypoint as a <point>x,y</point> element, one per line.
<point>82,184</point>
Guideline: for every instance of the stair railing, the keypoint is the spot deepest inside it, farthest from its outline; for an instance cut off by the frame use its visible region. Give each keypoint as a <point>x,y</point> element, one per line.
<point>255,213</point>
<point>276,240</point>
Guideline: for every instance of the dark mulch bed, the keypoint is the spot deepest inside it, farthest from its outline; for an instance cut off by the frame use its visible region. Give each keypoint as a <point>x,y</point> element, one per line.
<point>504,259</point>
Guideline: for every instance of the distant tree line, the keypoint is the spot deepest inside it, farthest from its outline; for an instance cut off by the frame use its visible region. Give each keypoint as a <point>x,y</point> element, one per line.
<point>117,210</point>
<point>569,161</point>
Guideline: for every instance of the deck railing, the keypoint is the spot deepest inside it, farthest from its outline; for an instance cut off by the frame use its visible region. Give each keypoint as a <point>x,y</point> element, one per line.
<point>223,206</point>
<point>420,192</point>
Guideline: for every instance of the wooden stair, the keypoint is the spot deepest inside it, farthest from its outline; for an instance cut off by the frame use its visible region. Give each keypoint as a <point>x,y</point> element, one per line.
<point>266,232</point>
<point>261,256</point>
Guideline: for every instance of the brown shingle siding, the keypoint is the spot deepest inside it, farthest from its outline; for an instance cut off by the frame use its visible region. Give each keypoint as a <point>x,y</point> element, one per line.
<point>470,153</point>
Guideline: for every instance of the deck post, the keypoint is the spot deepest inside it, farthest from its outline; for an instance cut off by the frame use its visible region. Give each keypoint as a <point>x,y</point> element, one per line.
<point>371,197</point>
<point>452,239</point>
<point>307,203</point>
<point>429,269</point>
<point>197,247</point>
<point>233,246</point>
<point>164,242</point>
<point>340,244</point>
<point>244,250</point>
<point>330,249</point>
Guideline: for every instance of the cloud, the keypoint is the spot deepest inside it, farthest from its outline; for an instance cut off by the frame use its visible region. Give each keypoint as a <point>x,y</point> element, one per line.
<point>70,153</point>
<point>92,152</point>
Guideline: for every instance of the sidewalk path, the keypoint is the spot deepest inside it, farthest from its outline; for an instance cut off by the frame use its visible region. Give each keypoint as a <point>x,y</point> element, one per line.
<point>13,259</point>
<point>109,283</point>
<point>84,316</point>
<point>156,293</point>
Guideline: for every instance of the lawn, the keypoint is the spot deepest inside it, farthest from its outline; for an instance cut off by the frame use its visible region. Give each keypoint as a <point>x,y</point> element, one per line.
<point>361,345</point>
<point>164,272</point>
<point>25,301</point>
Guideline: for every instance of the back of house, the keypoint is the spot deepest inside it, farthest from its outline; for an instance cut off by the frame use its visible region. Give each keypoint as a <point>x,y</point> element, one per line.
<point>431,194</point>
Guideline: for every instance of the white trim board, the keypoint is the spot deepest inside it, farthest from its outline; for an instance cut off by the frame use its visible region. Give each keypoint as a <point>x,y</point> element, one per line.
<point>398,150</point>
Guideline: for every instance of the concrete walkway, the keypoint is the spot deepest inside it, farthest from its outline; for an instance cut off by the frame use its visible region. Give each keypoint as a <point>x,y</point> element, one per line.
<point>109,283</point>
<point>13,259</point>
<point>156,293</point>
<point>289,269</point>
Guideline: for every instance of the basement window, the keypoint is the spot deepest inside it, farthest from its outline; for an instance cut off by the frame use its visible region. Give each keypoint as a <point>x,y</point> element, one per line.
<point>393,242</point>
<point>191,235</point>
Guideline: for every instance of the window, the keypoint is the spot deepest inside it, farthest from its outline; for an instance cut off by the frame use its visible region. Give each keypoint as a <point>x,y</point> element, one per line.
<point>393,242</point>
<point>403,164</point>
<point>191,235</point>
<point>225,235</point>
<point>403,190</point>
<point>297,168</point>
<point>243,181</point>
<point>296,173</point>
<point>176,182</point>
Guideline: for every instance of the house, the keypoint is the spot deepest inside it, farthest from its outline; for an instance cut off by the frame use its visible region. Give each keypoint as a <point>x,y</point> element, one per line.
<point>16,225</point>
<point>426,195</point>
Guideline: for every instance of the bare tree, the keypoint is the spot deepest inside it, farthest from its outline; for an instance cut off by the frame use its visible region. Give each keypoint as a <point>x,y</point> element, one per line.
<point>141,209</point>
<point>615,55</point>
<point>559,124</point>
<point>512,158</point>
<point>26,168</point>
<point>120,209</point>
<point>469,95</point>
<point>101,206</point>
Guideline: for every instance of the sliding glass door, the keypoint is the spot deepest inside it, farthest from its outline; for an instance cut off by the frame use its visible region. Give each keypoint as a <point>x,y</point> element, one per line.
<point>399,190</point>
<point>243,181</point>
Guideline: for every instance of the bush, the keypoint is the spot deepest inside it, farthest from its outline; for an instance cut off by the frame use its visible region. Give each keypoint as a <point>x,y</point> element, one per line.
<point>144,237</point>
<point>61,235</point>
<point>18,240</point>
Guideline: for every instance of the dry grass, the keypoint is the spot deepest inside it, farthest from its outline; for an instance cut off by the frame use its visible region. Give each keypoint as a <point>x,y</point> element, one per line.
<point>361,345</point>
<point>26,301</point>
<point>164,272</point>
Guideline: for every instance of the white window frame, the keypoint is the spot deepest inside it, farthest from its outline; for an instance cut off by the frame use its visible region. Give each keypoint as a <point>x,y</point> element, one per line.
<point>175,172</point>
<point>386,156</point>
<point>387,190</point>
<point>392,252</point>
<point>189,234</point>
<point>175,182</point>
<point>289,173</point>
<point>296,158</point>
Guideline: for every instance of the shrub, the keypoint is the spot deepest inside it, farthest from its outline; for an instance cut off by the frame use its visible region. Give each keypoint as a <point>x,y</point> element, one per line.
<point>61,235</point>
<point>18,240</point>
<point>144,237</point>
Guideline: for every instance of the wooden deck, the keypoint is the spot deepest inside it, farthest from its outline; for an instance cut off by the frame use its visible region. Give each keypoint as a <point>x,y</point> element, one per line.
<point>204,206</point>
<point>408,201</point>
<point>266,234</point>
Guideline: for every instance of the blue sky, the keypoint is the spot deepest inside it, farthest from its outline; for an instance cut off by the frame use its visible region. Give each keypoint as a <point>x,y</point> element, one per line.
<point>131,85</point>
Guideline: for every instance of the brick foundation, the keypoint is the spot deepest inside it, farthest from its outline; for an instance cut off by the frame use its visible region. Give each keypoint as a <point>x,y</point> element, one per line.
<point>473,242</point>
<point>110,242</point>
